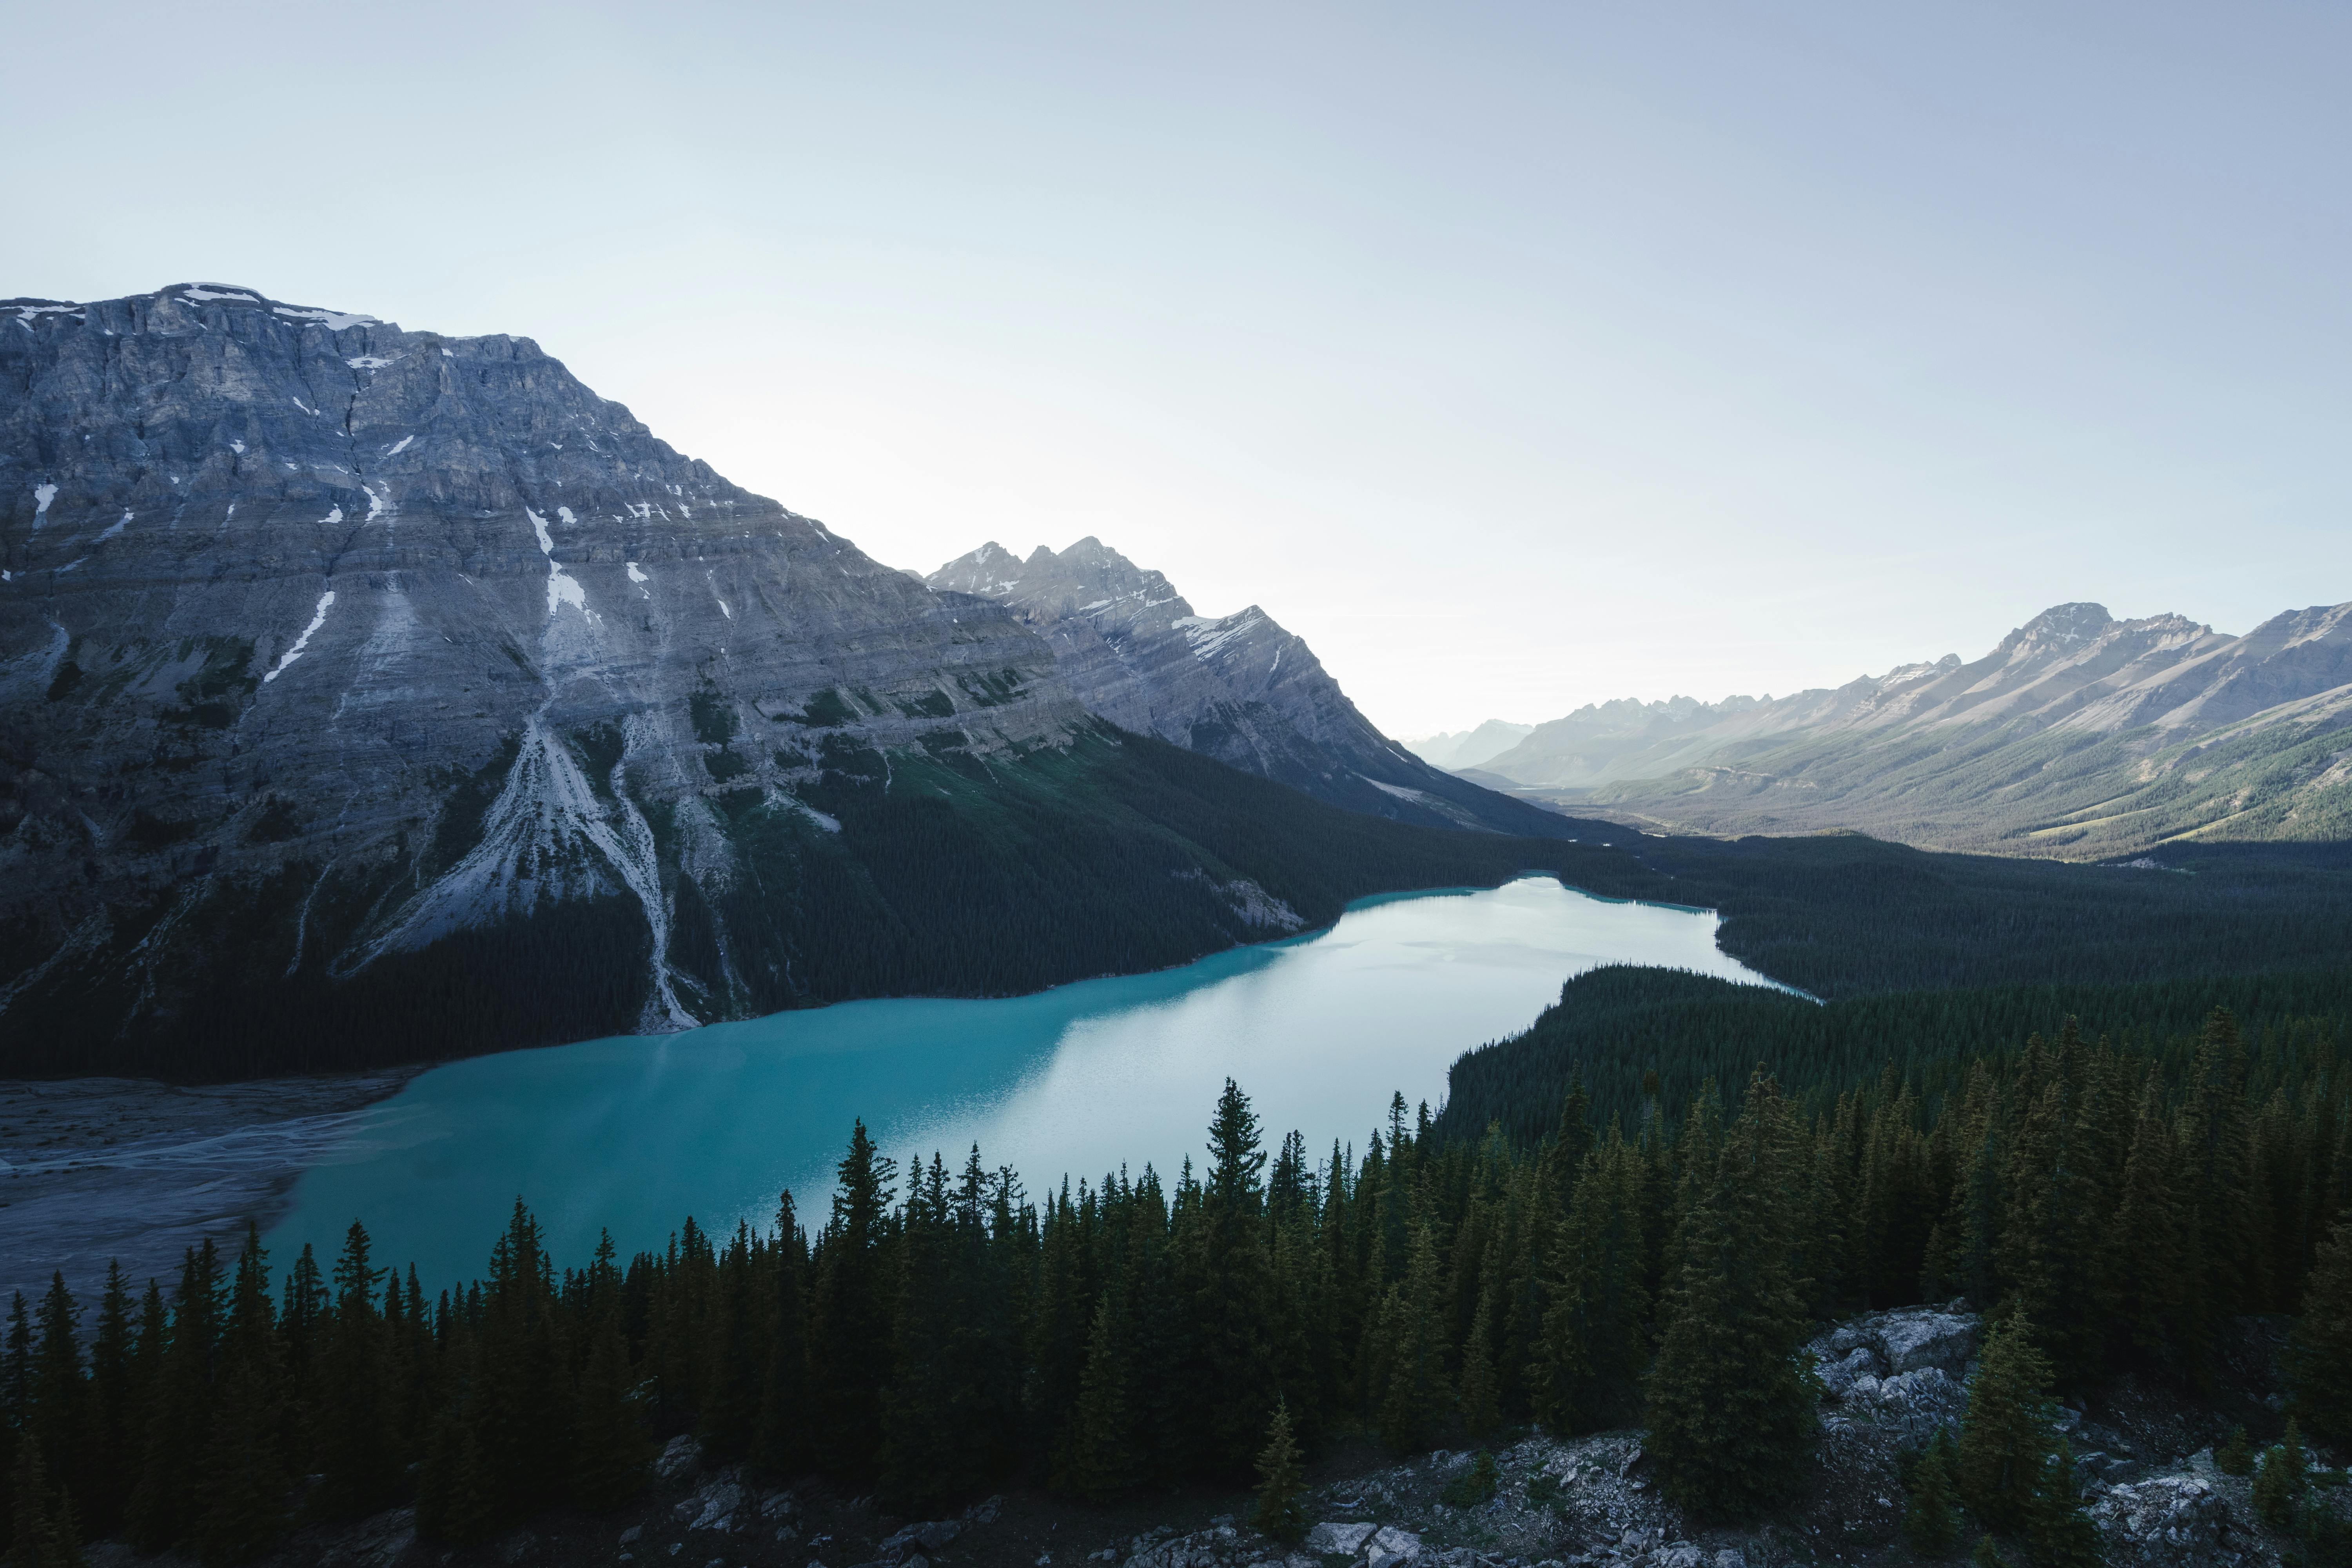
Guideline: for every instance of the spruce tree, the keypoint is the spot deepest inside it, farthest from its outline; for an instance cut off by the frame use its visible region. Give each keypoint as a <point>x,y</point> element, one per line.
<point>611,1454</point>
<point>2060,1534</point>
<point>781,1445</point>
<point>243,1466</point>
<point>58,1423</point>
<point>41,1517</point>
<point>2280,1485</point>
<point>1232,1290</point>
<point>2236,1456</point>
<point>1416,1395</point>
<point>1097,1459</point>
<point>1481,1412</point>
<point>1930,1522</point>
<point>1279,1482</point>
<point>179,1433</point>
<point>2319,1356</point>
<point>115,1405</point>
<point>2007,1432</point>
<point>850,1330</point>
<point>355,1427</point>
<point>1731,1411</point>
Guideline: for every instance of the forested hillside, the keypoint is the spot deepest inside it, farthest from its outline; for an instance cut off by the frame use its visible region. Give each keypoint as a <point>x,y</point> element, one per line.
<point>943,1331</point>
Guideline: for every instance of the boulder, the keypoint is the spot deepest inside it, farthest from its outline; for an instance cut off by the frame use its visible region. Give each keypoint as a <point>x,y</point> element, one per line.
<point>680,1460</point>
<point>926,1539</point>
<point>1916,1404</point>
<point>1344,1539</point>
<point>2168,1521</point>
<point>713,1505</point>
<point>1391,1548</point>
<point>1917,1340</point>
<point>1839,1376</point>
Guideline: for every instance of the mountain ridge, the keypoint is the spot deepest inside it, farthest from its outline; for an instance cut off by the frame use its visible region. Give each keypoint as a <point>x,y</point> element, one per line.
<point>2077,734</point>
<point>1238,687</point>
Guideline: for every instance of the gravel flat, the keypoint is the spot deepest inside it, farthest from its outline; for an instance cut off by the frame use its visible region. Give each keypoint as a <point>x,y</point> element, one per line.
<point>100,1168</point>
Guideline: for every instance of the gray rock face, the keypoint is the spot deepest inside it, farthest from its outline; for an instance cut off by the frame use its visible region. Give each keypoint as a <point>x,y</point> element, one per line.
<point>322,641</point>
<point>1239,688</point>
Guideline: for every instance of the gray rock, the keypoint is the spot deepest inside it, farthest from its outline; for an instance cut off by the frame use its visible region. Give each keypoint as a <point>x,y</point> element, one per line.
<point>2167,1521</point>
<point>1914,1404</point>
<point>1335,1536</point>
<point>928,1537</point>
<point>1918,1341</point>
<point>1391,1548</point>
<point>713,1505</point>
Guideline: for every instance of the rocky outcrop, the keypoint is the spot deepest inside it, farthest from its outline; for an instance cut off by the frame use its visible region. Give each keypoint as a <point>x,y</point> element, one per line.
<point>1237,687</point>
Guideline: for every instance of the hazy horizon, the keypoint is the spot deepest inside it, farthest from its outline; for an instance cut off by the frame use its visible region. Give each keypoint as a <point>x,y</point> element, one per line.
<point>1515,357</point>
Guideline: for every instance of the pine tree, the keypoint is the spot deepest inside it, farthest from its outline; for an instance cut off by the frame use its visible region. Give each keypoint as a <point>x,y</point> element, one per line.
<point>850,1329</point>
<point>1098,1456</point>
<point>179,1433</point>
<point>2237,1456</point>
<point>1731,1413</point>
<point>58,1423</point>
<point>2007,1433</point>
<point>1415,1395</point>
<point>42,1534</point>
<point>1232,1290</point>
<point>1930,1522</point>
<point>1279,1482</point>
<point>2060,1534</point>
<point>355,1427</point>
<point>2280,1485</point>
<point>243,1466</point>
<point>1480,1411</point>
<point>611,1455</point>
<point>116,1402</point>
<point>1595,1347</point>
<point>781,1445</point>
<point>2319,1356</point>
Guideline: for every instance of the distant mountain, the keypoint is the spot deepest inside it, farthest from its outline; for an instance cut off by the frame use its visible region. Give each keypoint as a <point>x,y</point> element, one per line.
<point>369,694</point>
<point>1239,688</point>
<point>1468,747</point>
<point>2079,735</point>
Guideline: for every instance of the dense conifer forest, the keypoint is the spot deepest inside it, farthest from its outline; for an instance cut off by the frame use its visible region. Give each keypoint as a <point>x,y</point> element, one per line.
<point>2113,1204</point>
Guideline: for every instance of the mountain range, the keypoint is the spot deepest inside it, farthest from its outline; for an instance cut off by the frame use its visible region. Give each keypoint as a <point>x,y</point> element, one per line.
<point>2079,735</point>
<point>1468,747</point>
<point>389,693</point>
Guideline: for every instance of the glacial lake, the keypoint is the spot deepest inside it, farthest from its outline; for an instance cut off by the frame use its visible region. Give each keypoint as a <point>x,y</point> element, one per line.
<point>636,1132</point>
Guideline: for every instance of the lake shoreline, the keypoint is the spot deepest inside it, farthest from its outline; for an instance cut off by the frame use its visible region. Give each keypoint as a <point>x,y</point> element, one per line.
<point>94,1170</point>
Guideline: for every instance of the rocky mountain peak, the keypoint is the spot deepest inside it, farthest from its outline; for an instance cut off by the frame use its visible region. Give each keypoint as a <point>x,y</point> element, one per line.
<point>1237,687</point>
<point>2060,628</point>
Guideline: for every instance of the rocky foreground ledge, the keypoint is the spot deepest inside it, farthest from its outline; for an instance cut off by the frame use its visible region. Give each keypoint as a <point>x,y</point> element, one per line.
<point>1890,1380</point>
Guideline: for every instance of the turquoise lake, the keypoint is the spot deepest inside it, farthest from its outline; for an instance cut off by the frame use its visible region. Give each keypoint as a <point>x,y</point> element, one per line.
<point>636,1132</point>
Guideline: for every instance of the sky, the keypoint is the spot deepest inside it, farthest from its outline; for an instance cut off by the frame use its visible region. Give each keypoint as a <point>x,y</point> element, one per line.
<point>1518,356</point>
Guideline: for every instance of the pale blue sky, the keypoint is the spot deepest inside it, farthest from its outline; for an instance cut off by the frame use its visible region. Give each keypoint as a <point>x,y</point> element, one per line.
<point>1515,355</point>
